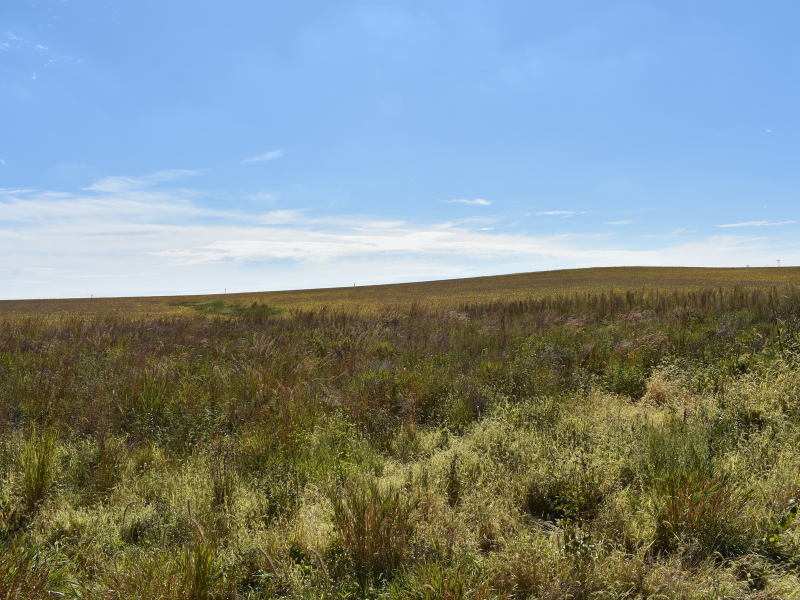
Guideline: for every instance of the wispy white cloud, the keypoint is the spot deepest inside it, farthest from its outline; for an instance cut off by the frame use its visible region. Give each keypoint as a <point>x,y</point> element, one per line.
<point>126,239</point>
<point>122,184</point>
<point>383,224</point>
<point>563,213</point>
<point>268,156</point>
<point>3,161</point>
<point>757,224</point>
<point>477,201</point>
<point>475,221</point>
<point>262,197</point>
<point>619,222</point>
<point>280,217</point>
<point>671,234</point>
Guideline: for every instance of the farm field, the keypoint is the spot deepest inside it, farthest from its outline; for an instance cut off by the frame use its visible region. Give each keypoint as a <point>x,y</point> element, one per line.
<point>594,433</point>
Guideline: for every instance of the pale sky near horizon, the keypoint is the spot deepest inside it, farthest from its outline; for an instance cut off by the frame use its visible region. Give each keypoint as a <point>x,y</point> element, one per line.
<point>176,147</point>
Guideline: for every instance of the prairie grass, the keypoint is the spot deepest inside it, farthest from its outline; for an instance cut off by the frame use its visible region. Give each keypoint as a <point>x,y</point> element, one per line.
<point>36,459</point>
<point>588,434</point>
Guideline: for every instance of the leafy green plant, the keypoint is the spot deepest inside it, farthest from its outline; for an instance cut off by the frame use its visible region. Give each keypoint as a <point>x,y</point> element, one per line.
<point>775,544</point>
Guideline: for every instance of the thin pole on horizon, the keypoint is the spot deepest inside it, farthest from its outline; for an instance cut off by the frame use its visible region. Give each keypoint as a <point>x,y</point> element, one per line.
<point>779,263</point>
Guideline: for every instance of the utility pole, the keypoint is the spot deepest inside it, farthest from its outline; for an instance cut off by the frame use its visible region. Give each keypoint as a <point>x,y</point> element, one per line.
<point>779,263</point>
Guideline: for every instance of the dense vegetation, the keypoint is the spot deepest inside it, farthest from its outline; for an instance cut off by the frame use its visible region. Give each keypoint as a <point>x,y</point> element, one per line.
<point>578,444</point>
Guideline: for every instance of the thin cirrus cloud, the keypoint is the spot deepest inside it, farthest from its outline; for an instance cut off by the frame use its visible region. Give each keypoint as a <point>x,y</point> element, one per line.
<point>563,213</point>
<point>757,224</point>
<point>135,235</point>
<point>477,201</point>
<point>264,157</point>
<point>280,217</point>
<point>619,222</point>
<point>124,184</point>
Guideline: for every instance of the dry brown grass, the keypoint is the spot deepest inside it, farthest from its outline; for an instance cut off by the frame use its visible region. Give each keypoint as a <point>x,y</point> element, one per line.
<point>437,293</point>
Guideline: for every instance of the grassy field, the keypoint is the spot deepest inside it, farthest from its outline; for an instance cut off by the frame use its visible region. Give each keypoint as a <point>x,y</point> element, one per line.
<point>523,286</point>
<point>596,433</point>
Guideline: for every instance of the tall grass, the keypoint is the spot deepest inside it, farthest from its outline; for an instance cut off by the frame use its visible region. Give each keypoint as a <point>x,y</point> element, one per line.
<point>373,527</point>
<point>37,461</point>
<point>27,575</point>
<point>588,442</point>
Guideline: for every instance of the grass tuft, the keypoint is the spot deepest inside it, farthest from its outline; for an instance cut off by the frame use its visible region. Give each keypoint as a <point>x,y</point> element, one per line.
<point>37,458</point>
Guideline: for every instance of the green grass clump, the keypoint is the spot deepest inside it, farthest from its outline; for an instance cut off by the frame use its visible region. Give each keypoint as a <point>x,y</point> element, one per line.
<point>567,435</point>
<point>253,311</point>
<point>37,462</point>
<point>373,528</point>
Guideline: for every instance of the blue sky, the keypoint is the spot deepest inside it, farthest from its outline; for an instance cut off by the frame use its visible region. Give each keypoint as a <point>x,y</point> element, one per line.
<point>159,147</point>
